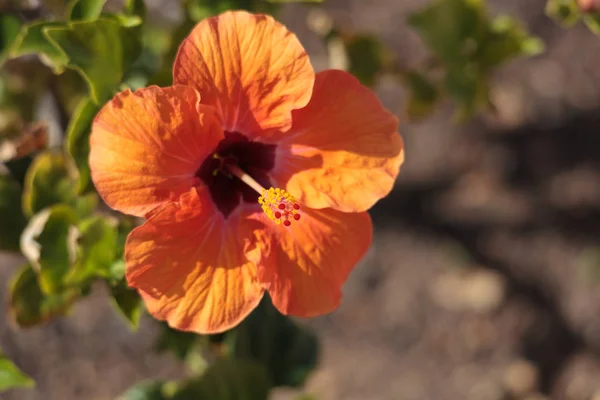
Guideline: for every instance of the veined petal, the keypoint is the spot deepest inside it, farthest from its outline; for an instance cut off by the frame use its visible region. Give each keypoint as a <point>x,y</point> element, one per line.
<point>191,267</point>
<point>147,145</point>
<point>249,67</point>
<point>308,262</point>
<point>343,150</point>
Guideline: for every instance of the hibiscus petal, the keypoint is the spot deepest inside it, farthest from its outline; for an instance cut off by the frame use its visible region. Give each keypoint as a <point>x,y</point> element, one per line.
<point>147,145</point>
<point>309,261</point>
<point>190,265</point>
<point>250,67</point>
<point>343,150</point>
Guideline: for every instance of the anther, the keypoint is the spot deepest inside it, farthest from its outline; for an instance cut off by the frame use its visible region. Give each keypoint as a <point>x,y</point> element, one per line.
<point>222,167</point>
<point>279,206</point>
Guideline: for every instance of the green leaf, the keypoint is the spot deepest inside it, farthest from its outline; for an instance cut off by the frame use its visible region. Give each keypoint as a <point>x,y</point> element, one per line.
<point>135,8</point>
<point>48,242</point>
<point>469,45</point>
<point>451,28</point>
<point>85,10</point>
<point>288,351</point>
<point>227,379</point>
<point>145,67</point>
<point>78,139</point>
<point>164,76</point>
<point>367,58</point>
<point>28,306</point>
<point>200,9</point>
<point>592,21</point>
<point>133,15</point>
<point>18,168</point>
<point>49,181</point>
<point>460,31</point>
<point>86,204</point>
<point>126,225</point>
<point>32,40</point>
<point>469,88</point>
<point>13,220</point>
<point>124,20</point>
<point>179,342</point>
<point>146,391</point>
<point>564,12</point>
<point>117,269</point>
<point>101,51</point>
<point>11,377</point>
<point>506,40</point>
<point>128,302</point>
<point>424,95</point>
<point>96,249</point>
<point>568,12</point>
<point>10,26</point>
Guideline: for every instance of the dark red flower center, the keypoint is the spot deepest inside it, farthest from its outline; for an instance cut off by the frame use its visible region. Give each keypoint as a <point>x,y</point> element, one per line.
<point>227,191</point>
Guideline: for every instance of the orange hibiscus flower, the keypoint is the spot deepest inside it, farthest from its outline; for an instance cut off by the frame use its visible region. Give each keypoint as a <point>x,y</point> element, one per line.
<point>246,113</point>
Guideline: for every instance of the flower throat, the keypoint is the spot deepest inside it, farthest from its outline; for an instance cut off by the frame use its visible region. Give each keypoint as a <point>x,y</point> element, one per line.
<point>237,172</point>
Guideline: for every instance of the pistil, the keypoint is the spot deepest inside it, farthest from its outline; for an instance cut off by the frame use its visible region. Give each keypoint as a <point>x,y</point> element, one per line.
<point>277,204</point>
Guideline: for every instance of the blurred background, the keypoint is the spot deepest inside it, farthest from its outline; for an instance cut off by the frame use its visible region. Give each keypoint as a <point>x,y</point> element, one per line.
<point>483,281</point>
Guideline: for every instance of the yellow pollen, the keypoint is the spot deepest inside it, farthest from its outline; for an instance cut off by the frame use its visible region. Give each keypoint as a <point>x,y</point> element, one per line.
<point>279,206</point>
